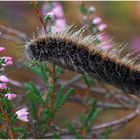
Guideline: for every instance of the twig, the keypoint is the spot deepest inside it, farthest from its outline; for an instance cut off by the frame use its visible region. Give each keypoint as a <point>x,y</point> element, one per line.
<point>117,123</point>
<point>13,31</point>
<point>103,105</point>
<point>72,81</point>
<point>114,125</point>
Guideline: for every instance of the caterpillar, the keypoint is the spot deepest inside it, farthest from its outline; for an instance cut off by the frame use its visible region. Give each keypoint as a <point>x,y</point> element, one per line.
<point>72,50</point>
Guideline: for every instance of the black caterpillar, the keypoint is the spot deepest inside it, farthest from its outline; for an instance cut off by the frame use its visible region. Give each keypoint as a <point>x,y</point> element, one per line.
<point>72,51</point>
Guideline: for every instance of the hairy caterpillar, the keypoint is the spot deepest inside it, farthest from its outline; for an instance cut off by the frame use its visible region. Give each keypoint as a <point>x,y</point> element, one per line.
<point>72,51</point>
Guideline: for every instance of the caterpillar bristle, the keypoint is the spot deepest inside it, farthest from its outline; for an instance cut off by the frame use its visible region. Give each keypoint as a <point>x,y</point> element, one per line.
<point>72,50</point>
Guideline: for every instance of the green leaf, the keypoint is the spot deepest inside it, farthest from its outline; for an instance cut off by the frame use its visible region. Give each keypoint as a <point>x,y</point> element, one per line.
<point>13,120</point>
<point>73,130</point>
<point>22,131</point>
<point>50,90</point>
<point>64,98</point>
<point>56,135</point>
<point>59,96</point>
<point>48,18</point>
<point>36,93</point>
<point>42,70</point>
<point>59,71</point>
<point>3,134</point>
<point>32,105</point>
<point>94,107</point>
<point>93,118</point>
<point>84,10</point>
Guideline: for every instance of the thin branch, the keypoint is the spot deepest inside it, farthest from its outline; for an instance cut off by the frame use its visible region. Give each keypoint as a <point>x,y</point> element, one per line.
<point>114,125</point>
<point>103,105</point>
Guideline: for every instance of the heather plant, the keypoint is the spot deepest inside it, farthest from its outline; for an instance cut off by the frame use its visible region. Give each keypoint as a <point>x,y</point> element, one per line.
<point>45,100</point>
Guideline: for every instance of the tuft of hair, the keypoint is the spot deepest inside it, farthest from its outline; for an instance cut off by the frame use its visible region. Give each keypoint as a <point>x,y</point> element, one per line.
<point>72,50</point>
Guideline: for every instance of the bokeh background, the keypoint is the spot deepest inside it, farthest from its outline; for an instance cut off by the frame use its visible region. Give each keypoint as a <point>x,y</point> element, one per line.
<point>123,20</point>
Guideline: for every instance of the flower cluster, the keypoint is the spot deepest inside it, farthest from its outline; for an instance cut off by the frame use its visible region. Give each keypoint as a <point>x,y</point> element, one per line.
<point>57,14</point>
<point>96,26</point>
<point>6,61</point>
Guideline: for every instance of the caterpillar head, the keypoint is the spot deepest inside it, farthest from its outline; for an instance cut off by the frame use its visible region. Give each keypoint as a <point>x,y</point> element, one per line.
<point>36,50</point>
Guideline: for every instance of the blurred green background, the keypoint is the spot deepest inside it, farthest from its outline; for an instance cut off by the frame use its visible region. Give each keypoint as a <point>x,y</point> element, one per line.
<point>123,20</point>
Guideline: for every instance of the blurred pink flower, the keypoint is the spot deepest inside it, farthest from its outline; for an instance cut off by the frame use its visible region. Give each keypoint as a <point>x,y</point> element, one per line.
<point>8,61</point>
<point>4,79</point>
<point>58,11</point>
<point>22,114</point>
<point>60,25</point>
<point>2,49</point>
<point>3,86</point>
<point>96,20</point>
<point>105,38</point>
<point>8,58</point>
<point>101,27</point>
<point>10,96</point>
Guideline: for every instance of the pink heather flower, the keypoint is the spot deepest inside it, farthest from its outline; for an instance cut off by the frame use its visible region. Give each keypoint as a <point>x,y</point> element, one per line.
<point>22,114</point>
<point>58,11</point>
<point>10,96</point>
<point>60,25</point>
<point>96,20</point>
<point>3,86</point>
<point>101,27</point>
<point>2,49</point>
<point>8,61</point>
<point>4,79</point>
<point>8,58</point>
<point>104,37</point>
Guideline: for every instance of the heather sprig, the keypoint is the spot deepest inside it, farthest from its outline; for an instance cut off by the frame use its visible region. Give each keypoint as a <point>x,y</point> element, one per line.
<point>9,116</point>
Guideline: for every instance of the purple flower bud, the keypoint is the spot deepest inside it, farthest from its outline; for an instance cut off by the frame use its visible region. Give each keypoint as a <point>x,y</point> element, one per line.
<point>22,114</point>
<point>4,79</point>
<point>3,86</point>
<point>96,20</point>
<point>10,96</point>
<point>58,12</point>
<point>101,27</point>
<point>2,49</point>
